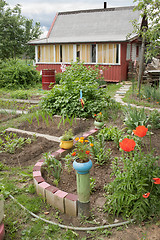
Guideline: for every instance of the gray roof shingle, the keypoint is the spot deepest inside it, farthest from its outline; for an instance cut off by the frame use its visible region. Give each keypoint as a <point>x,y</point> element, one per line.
<point>99,25</point>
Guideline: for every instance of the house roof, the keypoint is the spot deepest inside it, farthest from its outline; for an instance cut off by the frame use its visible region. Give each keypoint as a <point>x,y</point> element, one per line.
<point>97,25</point>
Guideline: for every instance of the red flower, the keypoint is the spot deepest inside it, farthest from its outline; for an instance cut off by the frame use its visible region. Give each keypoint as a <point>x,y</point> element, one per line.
<point>74,154</point>
<point>157,180</point>
<point>140,131</point>
<point>127,144</point>
<point>146,195</point>
<point>87,152</point>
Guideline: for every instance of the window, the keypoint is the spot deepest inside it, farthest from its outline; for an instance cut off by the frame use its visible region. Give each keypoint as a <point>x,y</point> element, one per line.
<point>137,51</point>
<point>93,53</point>
<point>78,52</point>
<point>128,54</point>
<point>117,53</point>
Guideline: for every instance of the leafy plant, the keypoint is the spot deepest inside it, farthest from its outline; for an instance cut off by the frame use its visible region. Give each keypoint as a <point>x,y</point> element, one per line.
<point>112,134</point>
<point>68,162</point>
<point>9,142</point>
<point>17,75</point>
<point>54,166</point>
<point>154,119</point>
<point>125,194</point>
<point>63,99</point>
<point>98,149</point>
<point>68,135</point>
<point>92,185</point>
<point>135,117</point>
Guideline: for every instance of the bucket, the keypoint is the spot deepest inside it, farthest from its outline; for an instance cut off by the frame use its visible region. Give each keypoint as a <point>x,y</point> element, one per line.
<point>48,77</point>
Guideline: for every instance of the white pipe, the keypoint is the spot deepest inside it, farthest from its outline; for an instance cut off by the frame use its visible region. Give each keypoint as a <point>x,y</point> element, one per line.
<point>70,227</point>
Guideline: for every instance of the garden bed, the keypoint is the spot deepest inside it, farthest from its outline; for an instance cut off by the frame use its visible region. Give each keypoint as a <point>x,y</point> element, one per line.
<point>53,128</point>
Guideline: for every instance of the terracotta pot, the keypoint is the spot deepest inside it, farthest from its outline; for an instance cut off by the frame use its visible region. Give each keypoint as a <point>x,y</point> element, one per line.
<point>82,168</point>
<point>98,125</point>
<point>1,208</point>
<point>66,144</point>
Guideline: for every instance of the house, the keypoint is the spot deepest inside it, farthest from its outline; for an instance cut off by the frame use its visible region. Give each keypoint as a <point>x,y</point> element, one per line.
<point>97,36</point>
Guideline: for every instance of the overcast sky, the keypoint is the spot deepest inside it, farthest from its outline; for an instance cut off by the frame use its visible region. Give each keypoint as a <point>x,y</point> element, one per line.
<point>43,11</point>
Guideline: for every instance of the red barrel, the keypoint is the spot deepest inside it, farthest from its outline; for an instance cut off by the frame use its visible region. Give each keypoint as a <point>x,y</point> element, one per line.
<point>48,77</point>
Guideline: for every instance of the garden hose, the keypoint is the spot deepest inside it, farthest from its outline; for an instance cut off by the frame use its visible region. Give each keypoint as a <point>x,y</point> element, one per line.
<point>70,227</point>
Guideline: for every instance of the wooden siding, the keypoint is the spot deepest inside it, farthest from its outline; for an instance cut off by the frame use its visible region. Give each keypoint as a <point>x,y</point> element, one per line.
<point>111,73</point>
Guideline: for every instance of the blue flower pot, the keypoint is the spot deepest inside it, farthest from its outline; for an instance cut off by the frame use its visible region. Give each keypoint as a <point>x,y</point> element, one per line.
<point>82,168</point>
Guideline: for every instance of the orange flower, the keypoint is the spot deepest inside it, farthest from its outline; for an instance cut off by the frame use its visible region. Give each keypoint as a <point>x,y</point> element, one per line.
<point>74,154</point>
<point>77,138</point>
<point>140,131</point>
<point>81,138</point>
<point>91,144</point>
<point>100,113</point>
<point>87,152</point>
<point>95,115</point>
<point>86,140</point>
<point>146,195</point>
<point>127,144</point>
<point>156,180</point>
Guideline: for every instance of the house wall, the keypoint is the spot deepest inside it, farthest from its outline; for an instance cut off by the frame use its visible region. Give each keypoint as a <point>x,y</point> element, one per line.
<point>110,56</point>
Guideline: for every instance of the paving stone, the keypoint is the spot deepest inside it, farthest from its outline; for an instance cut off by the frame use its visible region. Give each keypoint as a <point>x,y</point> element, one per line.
<point>50,194</point>
<point>71,205</point>
<point>39,164</point>
<point>41,189</point>
<point>58,199</point>
<point>37,174</point>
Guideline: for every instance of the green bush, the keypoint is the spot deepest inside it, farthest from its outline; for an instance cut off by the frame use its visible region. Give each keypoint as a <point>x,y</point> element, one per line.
<point>64,99</point>
<point>16,74</point>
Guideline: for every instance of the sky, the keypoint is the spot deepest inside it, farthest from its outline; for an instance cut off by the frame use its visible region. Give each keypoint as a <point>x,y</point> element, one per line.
<point>44,11</point>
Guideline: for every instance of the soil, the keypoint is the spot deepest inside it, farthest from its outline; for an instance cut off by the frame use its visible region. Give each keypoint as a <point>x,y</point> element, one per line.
<point>30,154</point>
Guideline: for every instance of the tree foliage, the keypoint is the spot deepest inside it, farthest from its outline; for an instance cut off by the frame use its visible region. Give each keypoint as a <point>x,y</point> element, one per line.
<point>15,32</point>
<point>150,9</point>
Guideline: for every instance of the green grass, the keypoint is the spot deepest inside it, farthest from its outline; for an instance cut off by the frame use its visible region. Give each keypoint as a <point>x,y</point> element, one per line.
<point>112,88</point>
<point>131,98</point>
<point>7,93</point>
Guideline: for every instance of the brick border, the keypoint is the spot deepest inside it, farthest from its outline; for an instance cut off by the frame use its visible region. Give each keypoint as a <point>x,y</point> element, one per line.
<point>2,231</point>
<point>65,202</point>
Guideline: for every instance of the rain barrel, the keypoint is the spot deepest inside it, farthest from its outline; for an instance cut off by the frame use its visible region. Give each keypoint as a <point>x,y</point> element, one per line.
<point>48,77</point>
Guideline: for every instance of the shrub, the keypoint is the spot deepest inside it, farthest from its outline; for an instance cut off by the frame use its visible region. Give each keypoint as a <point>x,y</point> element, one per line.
<point>64,99</point>
<point>16,74</point>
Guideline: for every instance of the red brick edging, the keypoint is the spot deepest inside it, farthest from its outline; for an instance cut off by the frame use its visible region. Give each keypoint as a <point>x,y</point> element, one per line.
<point>2,231</point>
<point>65,202</point>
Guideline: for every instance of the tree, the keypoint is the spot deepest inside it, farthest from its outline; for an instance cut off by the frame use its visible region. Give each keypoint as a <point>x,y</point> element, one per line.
<point>15,32</point>
<point>150,11</point>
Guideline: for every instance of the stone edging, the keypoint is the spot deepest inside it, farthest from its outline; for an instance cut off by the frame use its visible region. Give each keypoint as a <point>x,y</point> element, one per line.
<point>65,202</point>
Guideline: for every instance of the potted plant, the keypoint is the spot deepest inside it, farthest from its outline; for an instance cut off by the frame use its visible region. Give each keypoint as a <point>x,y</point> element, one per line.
<point>98,123</point>
<point>82,164</point>
<point>67,140</point>
<point>81,154</point>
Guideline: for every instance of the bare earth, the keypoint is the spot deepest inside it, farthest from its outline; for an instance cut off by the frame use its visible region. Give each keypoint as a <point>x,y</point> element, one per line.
<point>30,154</point>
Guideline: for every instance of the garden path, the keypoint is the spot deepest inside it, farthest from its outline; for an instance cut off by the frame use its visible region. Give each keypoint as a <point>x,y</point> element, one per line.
<point>121,93</point>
